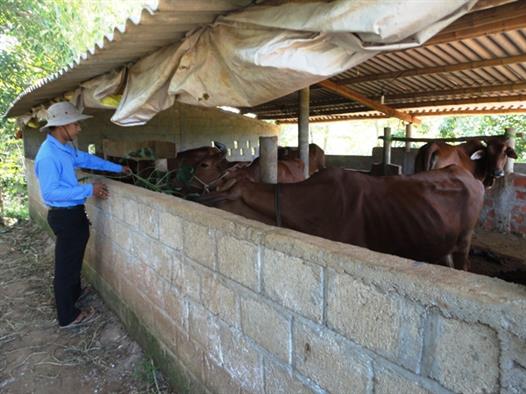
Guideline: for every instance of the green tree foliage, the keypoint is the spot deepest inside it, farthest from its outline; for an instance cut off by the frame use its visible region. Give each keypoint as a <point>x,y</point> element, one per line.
<point>486,125</point>
<point>38,38</point>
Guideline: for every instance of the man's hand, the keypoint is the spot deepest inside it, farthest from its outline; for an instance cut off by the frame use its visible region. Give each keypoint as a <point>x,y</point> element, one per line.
<point>100,190</point>
<point>126,170</point>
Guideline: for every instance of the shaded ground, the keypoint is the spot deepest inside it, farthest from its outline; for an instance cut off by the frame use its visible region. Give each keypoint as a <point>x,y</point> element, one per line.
<point>499,255</point>
<point>38,357</point>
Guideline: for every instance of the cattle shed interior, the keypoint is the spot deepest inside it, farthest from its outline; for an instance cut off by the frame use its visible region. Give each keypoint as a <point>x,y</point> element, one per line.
<point>229,305</point>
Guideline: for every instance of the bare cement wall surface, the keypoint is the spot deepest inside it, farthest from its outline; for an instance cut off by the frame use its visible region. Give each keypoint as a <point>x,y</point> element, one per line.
<point>239,306</point>
<point>188,126</point>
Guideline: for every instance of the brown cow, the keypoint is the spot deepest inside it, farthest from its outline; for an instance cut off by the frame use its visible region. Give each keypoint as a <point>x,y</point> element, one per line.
<point>426,217</point>
<point>192,157</point>
<point>316,156</point>
<point>216,173</point>
<point>485,162</point>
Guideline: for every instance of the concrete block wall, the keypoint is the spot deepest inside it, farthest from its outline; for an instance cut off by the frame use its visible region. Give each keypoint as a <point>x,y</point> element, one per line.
<point>505,205</point>
<point>229,305</point>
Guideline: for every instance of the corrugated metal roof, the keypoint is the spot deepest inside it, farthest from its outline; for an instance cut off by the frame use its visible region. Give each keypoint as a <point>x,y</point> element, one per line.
<point>165,23</point>
<point>479,59</point>
<point>448,110</point>
<point>488,65</point>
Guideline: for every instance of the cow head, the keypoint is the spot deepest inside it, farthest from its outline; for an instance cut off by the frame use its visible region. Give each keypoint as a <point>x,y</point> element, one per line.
<point>209,171</point>
<point>496,154</point>
<point>186,164</point>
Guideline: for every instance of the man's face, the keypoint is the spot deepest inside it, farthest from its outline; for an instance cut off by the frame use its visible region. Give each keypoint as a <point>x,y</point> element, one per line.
<point>72,129</point>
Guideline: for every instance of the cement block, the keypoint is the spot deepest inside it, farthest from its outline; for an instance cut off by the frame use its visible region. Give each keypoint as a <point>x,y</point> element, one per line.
<point>464,357</point>
<point>388,382</point>
<point>149,220</point>
<point>218,379</point>
<point>205,330</point>
<point>121,261</point>
<point>161,259</point>
<point>140,305</point>
<point>150,284</point>
<point>120,233</point>
<point>174,306</point>
<point>131,214</point>
<point>385,324</point>
<point>267,327</point>
<point>190,355</point>
<point>220,300</point>
<point>186,278</point>
<point>140,247</point>
<point>293,283</point>
<point>171,230</point>
<point>165,329</point>
<point>241,360</point>
<point>329,360</point>
<point>279,380</point>
<point>515,382</point>
<point>115,205</point>
<point>238,260</point>
<point>513,364</point>
<point>199,244</point>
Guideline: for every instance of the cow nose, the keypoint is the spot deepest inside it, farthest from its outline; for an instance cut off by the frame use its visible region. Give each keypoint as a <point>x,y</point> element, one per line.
<point>499,173</point>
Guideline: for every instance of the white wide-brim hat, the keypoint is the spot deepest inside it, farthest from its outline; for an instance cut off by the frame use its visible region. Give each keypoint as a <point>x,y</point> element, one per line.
<point>60,114</point>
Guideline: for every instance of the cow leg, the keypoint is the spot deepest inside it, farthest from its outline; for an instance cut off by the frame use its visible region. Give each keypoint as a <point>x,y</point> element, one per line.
<point>446,260</point>
<point>461,253</point>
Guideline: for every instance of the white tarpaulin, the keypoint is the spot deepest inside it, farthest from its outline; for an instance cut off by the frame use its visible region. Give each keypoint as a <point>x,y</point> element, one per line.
<point>95,92</point>
<point>266,52</point>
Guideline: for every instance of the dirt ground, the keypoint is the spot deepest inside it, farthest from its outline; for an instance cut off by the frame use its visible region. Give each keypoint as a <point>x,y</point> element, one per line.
<point>499,255</point>
<point>38,357</point>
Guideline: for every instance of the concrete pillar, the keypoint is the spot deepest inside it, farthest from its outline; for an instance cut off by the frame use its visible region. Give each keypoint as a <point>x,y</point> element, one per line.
<point>510,133</point>
<point>268,159</point>
<point>387,145</point>
<point>408,134</point>
<point>303,128</point>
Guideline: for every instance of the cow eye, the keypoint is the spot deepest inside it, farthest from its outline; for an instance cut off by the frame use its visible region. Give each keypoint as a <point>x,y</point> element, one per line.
<point>204,165</point>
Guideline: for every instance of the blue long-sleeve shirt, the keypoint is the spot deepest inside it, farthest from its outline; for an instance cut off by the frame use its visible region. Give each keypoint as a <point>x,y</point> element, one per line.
<point>55,166</point>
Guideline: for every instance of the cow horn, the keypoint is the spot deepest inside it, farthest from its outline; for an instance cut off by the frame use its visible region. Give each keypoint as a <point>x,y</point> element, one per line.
<point>220,146</point>
<point>477,155</point>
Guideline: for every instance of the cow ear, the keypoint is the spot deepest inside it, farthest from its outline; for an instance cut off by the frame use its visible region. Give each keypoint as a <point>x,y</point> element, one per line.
<point>510,152</point>
<point>477,155</point>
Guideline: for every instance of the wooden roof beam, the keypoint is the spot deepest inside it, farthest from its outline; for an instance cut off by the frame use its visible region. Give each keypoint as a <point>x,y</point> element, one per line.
<point>494,20</point>
<point>434,70</point>
<point>352,95</point>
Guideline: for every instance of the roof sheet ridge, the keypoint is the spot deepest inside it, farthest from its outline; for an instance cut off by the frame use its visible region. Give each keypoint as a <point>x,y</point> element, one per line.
<point>121,28</point>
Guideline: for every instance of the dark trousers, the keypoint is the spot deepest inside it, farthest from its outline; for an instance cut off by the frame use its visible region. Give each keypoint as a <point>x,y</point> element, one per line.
<point>71,227</point>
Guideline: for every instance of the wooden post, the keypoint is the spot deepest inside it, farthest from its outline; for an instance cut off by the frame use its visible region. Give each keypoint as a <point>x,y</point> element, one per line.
<point>509,132</point>
<point>303,128</point>
<point>408,133</point>
<point>387,146</point>
<point>268,159</point>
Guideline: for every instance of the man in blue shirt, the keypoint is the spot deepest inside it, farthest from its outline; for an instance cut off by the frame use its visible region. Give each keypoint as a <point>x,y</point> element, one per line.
<point>55,166</point>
